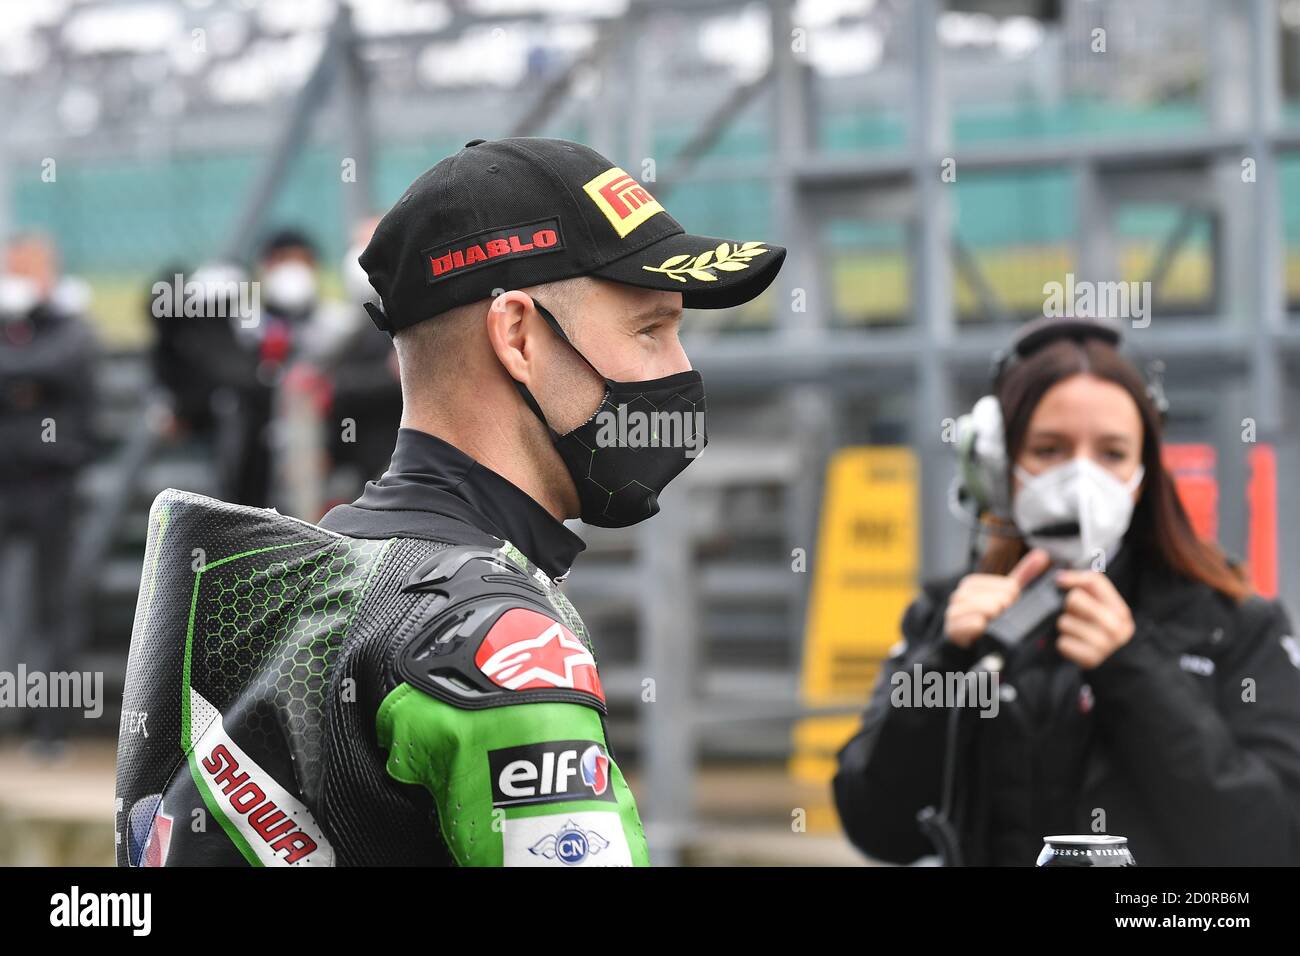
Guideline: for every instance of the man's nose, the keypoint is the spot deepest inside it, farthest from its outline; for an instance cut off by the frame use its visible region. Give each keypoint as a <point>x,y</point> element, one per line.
<point>674,362</point>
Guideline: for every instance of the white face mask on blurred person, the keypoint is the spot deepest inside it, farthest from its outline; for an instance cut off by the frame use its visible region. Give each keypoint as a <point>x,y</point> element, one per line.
<point>71,296</point>
<point>290,287</point>
<point>18,296</point>
<point>1077,511</point>
<point>355,281</point>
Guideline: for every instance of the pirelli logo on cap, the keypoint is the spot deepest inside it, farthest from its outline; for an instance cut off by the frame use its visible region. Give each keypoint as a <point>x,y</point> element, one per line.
<point>492,245</point>
<point>623,200</point>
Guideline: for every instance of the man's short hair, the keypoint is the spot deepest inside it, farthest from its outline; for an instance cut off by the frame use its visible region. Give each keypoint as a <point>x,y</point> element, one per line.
<point>436,342</point>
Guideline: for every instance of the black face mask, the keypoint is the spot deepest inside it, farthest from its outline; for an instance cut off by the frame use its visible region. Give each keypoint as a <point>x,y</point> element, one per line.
<point>641,436</point>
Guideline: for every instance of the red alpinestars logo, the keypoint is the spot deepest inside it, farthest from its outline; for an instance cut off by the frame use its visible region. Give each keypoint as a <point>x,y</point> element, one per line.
<point>526,650</point>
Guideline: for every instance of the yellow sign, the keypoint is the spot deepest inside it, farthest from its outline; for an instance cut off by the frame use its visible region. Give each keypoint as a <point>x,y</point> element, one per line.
<point>865,575</point>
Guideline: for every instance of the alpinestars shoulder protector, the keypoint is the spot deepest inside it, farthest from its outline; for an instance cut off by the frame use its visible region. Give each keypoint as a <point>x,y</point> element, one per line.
<point>495,637</point>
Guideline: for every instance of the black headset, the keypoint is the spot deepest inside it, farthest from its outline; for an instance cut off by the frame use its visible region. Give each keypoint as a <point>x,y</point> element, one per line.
<point>981,445</point>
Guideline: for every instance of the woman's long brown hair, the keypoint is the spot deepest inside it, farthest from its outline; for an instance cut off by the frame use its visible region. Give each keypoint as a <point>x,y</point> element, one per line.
<point>1160,528</point>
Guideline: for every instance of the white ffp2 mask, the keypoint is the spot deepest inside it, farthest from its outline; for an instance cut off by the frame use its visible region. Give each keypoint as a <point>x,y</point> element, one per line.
<point>290,286</point>
<point>1078,492</point>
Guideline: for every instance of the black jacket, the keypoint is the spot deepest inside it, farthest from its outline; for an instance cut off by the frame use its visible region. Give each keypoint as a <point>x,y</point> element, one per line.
<point>46,380</point>
<point>1186,740</point>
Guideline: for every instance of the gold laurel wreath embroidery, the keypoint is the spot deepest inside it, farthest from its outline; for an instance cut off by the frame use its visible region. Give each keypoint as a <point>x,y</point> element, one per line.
<point>725,257</point>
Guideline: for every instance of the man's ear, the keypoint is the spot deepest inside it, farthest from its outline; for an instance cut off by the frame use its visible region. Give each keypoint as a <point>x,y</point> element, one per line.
<point>510,321</point>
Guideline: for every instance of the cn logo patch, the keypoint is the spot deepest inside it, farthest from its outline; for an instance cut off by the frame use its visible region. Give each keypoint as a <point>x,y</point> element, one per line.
<point>623,200</point>
<point>580,838</point>
<point>570,844</point>
<point>527,650</point>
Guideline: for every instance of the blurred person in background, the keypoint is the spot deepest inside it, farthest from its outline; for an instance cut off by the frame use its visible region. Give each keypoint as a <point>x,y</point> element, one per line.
<point>196,356</point>
<point>47,359</point>
<point>1161,703</point>
<point>291,330</point>
<point>206,374</point>
<point>367,392</point>
<point>309,348</point>
<point>287,270</point>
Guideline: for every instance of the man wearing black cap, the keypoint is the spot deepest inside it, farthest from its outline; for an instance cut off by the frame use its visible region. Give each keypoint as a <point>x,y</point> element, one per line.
<point>406,683</point>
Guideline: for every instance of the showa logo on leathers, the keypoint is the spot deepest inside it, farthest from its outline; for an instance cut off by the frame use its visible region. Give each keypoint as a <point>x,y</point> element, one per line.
<point>268,822</point>
<point>247,799</point>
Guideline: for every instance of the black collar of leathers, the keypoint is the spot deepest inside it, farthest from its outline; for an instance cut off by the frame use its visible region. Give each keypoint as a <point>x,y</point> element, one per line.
<point>434,490</point>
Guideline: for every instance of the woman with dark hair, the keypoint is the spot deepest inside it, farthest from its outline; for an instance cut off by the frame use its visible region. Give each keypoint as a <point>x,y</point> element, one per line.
<point>1162,703</point>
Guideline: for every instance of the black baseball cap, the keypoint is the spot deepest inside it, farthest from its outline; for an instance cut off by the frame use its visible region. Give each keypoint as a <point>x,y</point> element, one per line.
<point>512,213</point>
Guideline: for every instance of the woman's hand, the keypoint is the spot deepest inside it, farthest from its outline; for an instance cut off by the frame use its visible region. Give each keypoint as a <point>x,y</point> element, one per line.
<point>1096,622</point>
<point>980,598</point>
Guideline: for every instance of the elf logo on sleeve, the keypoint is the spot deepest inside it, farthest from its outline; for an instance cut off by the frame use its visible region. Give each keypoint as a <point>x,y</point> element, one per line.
<point>623,200</point>
<point>557,771</point>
